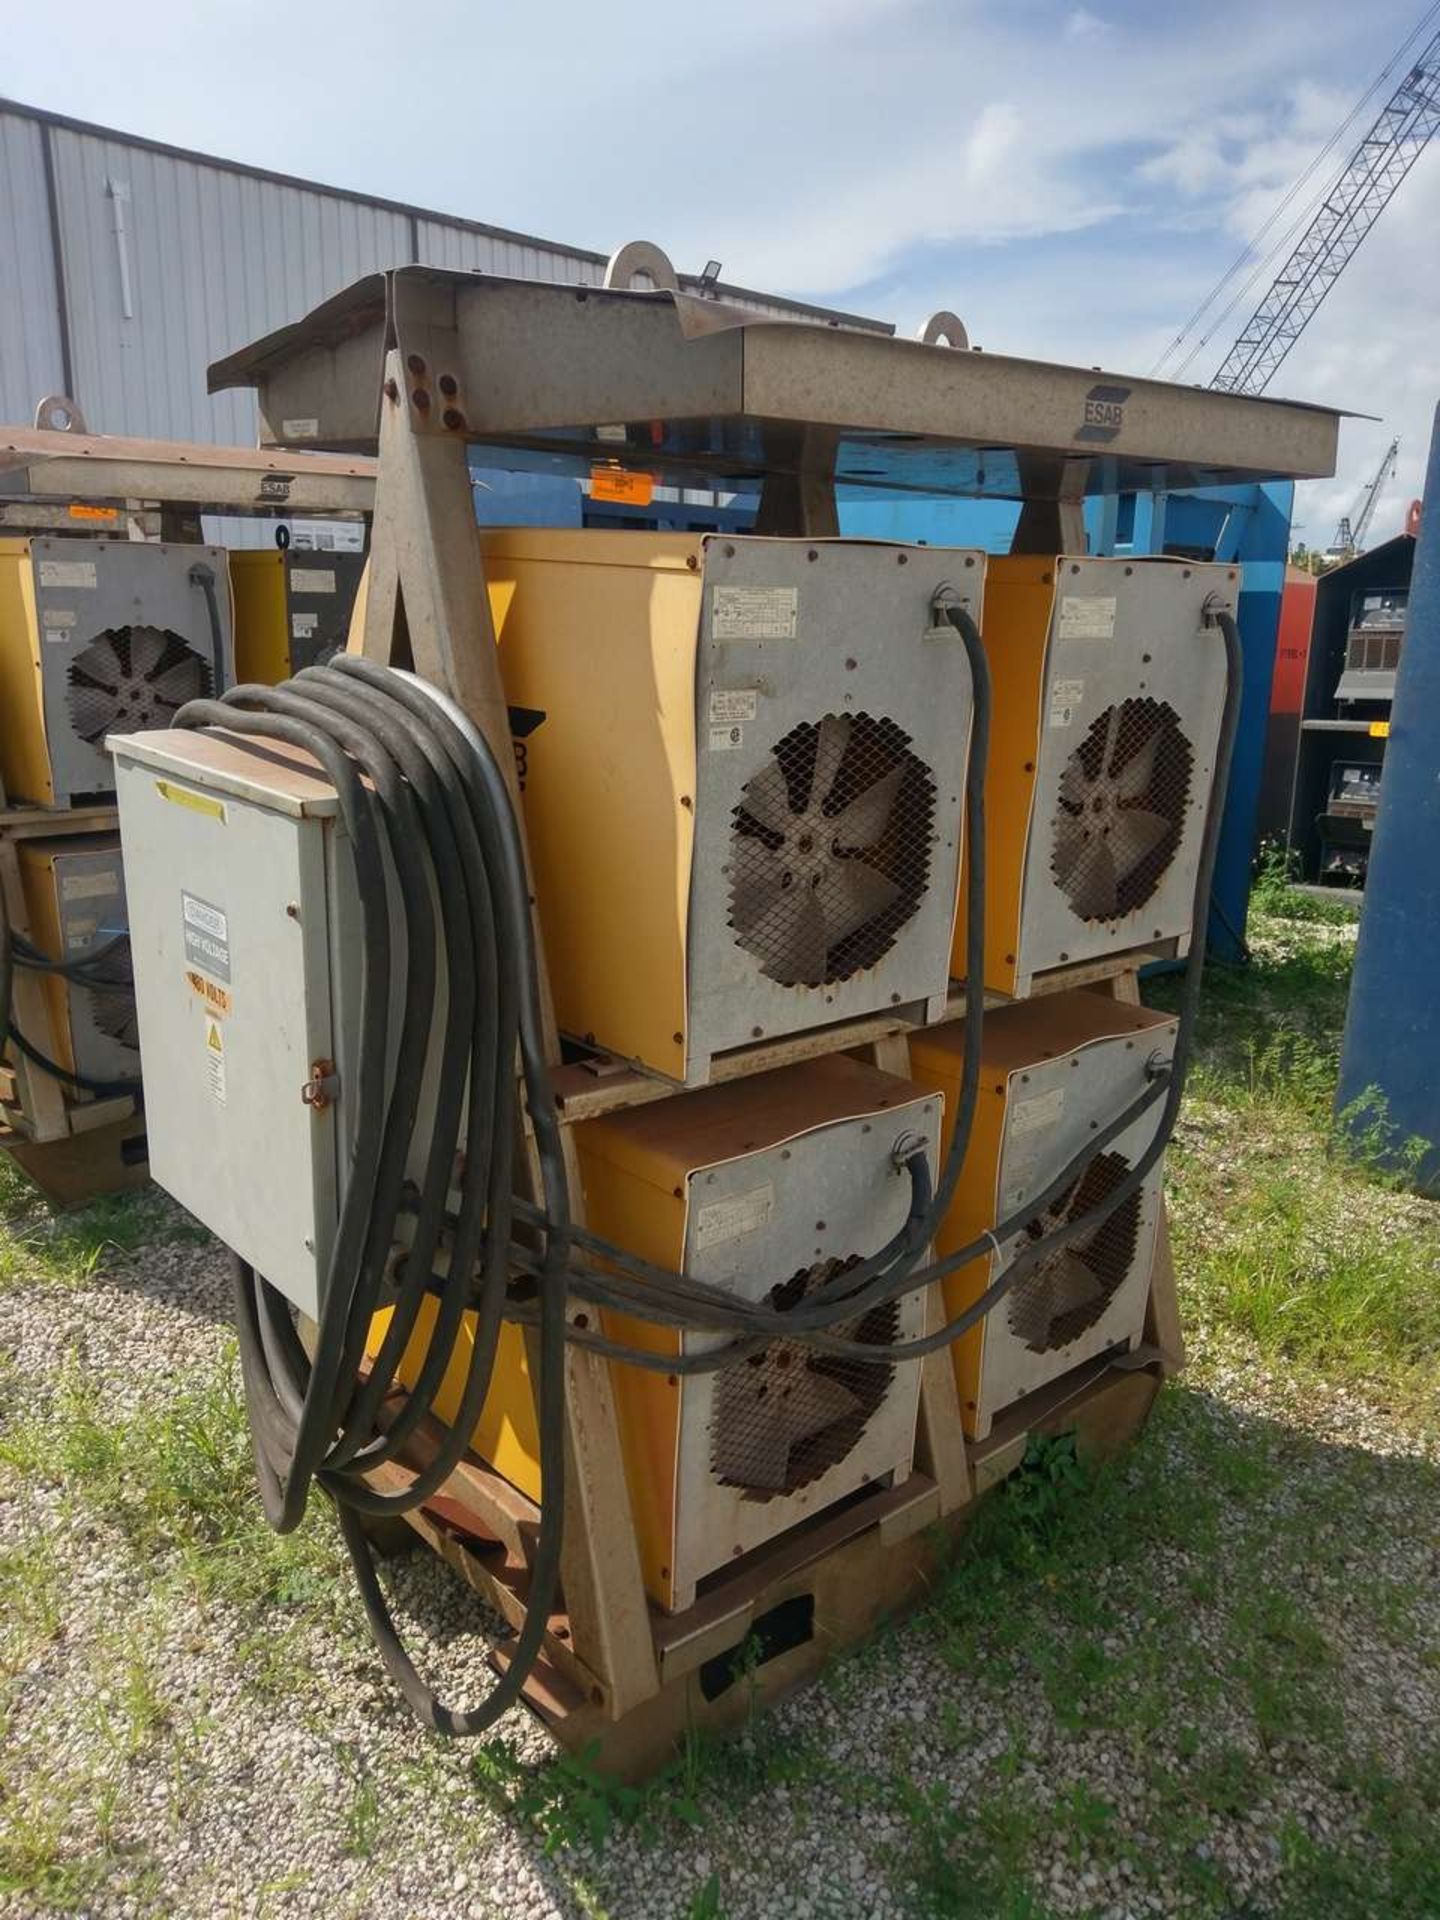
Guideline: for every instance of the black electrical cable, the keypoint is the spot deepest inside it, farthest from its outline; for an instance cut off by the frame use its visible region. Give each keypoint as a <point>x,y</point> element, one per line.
<point>13,949</point>
<point>204,577</point>
<point>7,966</point>
<point>69,1076</point>
<point>436,801</point>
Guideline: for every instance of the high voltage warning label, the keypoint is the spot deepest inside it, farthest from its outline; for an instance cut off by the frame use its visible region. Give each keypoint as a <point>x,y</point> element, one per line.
<point>215,1058</point>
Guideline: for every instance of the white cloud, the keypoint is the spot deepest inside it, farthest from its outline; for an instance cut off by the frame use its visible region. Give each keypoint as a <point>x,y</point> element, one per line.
<point>1084,25</point>
<point>1070,183</point>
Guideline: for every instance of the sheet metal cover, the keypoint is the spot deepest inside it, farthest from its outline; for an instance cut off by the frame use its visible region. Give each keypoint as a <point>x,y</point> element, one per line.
<point>674,381</point>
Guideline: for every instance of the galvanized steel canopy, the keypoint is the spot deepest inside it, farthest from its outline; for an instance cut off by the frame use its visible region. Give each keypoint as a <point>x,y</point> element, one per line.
<point>558,377</point>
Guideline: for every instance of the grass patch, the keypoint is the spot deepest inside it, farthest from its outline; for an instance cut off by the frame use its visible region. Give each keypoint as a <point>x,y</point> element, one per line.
<point>178,1479</point>
<point>1294,1233</point>
<point>41,1248</point>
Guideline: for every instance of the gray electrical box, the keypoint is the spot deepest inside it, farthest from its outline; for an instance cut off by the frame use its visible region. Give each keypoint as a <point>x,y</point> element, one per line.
<point>244,935</point>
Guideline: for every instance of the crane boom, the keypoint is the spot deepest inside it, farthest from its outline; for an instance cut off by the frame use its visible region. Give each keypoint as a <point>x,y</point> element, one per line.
<point>1360,195</point>
<point>1351,539</point>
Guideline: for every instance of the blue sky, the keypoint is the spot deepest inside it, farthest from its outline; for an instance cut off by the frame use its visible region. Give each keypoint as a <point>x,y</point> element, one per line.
<point>1070,178</point>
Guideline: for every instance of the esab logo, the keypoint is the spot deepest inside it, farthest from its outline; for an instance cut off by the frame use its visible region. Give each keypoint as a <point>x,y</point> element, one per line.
<point>1104,413</point>
<point>523,722</point>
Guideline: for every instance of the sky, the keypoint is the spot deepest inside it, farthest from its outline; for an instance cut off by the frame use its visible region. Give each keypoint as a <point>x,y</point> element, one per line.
<point>1071,179</point>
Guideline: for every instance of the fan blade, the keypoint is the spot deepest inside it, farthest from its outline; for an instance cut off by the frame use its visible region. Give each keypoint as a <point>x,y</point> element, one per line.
<point>790,938</point>
<point>1075,788</point>
<point>1091,881</point>
<point>179,682</point>
<point>758,888</point>
<point>851,894</point>
<point>1071,840</point>
<point>1134,834</point>
<point>91,712</point>
<point>753,1448</point>
<point>147,646</point>
<point>867,816</point>
<point>115,1016</point>
<point>1112,735</point>
<point>812,1402</point>
<point>1132,782</point>
<point>812,943</point>
<point>82,675</point>
<point>1071,1284</point>
<point>766,798</point>
<point>829,752</point>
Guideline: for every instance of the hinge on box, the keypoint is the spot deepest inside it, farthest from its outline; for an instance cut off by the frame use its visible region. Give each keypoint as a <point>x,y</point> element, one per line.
<point>322,1087</point>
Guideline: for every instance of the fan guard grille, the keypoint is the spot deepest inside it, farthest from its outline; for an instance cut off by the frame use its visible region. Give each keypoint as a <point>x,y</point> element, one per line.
<point>786,1415</point>
<point>1069,1290</point>
<point>830,849</point>
<point>1121,810</point>
<point>135,677</point>
<point>112,1006</point>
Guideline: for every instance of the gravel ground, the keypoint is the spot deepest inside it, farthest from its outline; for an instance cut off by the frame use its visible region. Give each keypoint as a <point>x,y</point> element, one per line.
<point>174,1748</point>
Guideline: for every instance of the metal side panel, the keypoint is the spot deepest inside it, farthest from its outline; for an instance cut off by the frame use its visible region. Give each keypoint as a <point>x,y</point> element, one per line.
<point>86,588</point>
<point>90,899</point>
<point>1051,1111</point>
<point>751,1224</point>
<point>1122,631</point>
<point>793,631</point>
<point>228,931</point>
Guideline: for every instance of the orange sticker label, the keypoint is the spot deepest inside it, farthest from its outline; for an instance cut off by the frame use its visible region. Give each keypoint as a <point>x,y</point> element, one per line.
<point>614,483</point>
<point>216,997</point>
<point>78,512</point>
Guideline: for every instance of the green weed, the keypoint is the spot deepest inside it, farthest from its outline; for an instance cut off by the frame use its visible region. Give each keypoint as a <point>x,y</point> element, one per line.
<point>41,1248</point>
<point>177,1477</point>
<point>568,1801</point>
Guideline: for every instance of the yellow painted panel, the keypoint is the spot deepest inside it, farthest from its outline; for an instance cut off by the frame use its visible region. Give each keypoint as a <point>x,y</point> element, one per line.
<point>42,904</point>
<point>507,1434</point>
<point>262,619</point>
<point>24,755</point>
<point>935,1065</point>
<point>1019,598</point>
<point>598,633</point>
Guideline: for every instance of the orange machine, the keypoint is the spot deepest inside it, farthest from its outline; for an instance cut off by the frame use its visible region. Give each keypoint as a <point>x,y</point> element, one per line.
<point>1053,1070</point>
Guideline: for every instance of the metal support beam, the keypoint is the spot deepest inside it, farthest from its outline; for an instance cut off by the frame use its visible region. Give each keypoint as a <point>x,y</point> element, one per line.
<point>428,606</point>
<point>1052,517</point>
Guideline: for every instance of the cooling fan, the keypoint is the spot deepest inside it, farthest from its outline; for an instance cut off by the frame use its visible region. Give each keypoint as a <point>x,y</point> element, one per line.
<point>136,678</point>
<point>786,1415</point>
<point>1108,682</point>
<point>74,888</point>
<point>1123,794</point>
<point>1067,1292</point>
<point>1053,1069</point>
<point>735,1184</point>
<point>100,635</point>
<point>830,852</point>
<point>112,1004</point>
<point>779,846</point>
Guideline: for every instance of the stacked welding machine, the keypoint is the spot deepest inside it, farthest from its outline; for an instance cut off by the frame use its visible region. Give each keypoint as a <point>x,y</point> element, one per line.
<point>96,634</point>
<point>778,786</point>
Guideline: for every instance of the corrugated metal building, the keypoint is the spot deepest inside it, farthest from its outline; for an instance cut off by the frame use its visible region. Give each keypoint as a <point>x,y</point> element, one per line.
<point>126,266</point>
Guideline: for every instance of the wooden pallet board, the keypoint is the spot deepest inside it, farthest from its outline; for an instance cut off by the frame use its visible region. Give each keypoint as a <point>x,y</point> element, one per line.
<point>602,1083</point>
<point>772,1624</point>
<point>38,823</point>
<point>82,1166</point>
